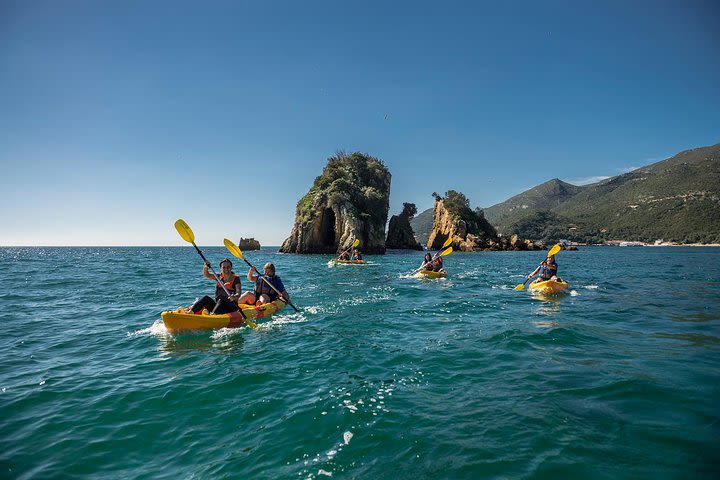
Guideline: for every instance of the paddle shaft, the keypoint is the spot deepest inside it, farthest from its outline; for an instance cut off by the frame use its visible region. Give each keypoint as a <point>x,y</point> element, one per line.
<point>270,285</point>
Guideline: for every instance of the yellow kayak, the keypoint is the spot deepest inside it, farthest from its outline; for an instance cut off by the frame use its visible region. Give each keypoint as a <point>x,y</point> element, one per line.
<point>357,262</point>
<point>179,320</point>
<point>549,286</point>
<point>432,274</point>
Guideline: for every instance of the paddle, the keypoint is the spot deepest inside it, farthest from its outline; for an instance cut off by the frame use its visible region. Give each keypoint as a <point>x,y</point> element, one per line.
<point>439,254</point>
<point>187,234</point>
<point>354,244</point>
<point>235,250</point>
<point>555,249</point>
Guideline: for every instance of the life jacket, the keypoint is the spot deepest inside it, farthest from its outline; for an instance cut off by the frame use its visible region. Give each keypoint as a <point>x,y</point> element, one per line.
<point>547,271</point>
<point>344,256</point>
<point>262,288</point>
<point>438,264</point>
<point>229,285</point>
<point>357,256</point>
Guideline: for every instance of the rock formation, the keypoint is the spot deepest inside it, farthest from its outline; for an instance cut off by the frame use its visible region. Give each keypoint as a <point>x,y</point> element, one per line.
<point>468,228</point>
<point>248,244</point>
<point>349,200</point>
<point>400,233</point>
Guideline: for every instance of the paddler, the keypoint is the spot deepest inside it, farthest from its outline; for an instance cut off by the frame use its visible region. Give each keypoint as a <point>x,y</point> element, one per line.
<point>263,293</point>
<point>222,303</point>
<point>427,262</point>
<point>356,254</point>
<point>547,270</point>
<point>344,256</point>
<point>437,264</point>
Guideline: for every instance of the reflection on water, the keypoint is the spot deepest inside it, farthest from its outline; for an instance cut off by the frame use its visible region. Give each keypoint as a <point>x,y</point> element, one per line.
<point>223,341</point>
<point>548,305</point>
<point>694,339</point>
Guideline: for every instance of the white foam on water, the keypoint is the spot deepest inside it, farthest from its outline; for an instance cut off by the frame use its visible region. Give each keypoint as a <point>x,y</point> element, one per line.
<point>591,287</point>
<point>280,320</point>
<point>347,436</point>
<point>157,329</point>
<point>323,472</point>
<point>574,293</point>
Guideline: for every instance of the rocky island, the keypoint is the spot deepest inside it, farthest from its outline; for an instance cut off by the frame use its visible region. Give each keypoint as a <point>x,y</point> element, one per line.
<point>471,232</point>
<point>349,200</point>
<point>248,244</point>
<point>400,233</point>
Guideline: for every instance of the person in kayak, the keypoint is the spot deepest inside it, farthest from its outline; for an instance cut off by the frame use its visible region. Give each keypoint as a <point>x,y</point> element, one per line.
<point>344,255</point>
<point>263,293</point>
<point>438,265</point>
<point>427,262</point>
<point>356,254</point>
<point>222,303</point>
<point>547,270</point>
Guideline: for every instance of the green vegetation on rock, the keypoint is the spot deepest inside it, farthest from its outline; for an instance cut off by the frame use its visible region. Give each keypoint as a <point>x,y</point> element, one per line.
<point>357,179</point>
<point>458,205</point>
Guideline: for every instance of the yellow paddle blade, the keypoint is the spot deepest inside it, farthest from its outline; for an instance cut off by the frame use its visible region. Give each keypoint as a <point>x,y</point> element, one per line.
<point>234,249</point>
<point>447,251</point>
<point>250,323</point>
<point>356,242</point>
<point>185,231</point>
<point>520,286</point>
<point>554,250</point>
<point>447,242</point>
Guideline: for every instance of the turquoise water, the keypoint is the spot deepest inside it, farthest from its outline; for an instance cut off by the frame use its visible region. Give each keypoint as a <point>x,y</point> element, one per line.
<point>381,375</point>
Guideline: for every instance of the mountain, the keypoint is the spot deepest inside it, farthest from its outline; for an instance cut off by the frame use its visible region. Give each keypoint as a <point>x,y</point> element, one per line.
<point>422,225</point>
<point>545,196</point>
<point>677,199</point>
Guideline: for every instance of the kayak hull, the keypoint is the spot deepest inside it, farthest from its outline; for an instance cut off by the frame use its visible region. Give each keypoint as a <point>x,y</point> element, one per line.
<point>350,262</point>
<point>549,286</point>
<point>179,320</point>
<point>432,274</point>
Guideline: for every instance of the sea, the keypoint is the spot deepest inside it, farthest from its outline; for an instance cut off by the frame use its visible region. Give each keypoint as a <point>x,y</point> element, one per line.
<point>380,375</point>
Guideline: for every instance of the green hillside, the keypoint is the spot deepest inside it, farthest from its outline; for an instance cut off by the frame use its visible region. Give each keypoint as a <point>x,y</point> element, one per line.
<point>545,196</point>
<point>677,199</point>
<point>422,225</point>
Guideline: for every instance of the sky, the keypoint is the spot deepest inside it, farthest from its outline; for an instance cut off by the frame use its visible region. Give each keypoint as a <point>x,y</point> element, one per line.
<point>119,117</point>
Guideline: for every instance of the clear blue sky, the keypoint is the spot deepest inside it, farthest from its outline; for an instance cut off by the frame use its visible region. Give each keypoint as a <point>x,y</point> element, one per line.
<point>116,118</point>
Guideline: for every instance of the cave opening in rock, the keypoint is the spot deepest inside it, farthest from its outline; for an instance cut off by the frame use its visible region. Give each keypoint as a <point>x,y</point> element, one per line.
<point>327,228</point>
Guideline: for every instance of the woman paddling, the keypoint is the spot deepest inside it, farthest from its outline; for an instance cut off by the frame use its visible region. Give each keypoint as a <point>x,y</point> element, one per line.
<point>222,303</point>
<point>547,270</point>
<point>432,265</point>
<point>427,262</point>
<point>264,293</point>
